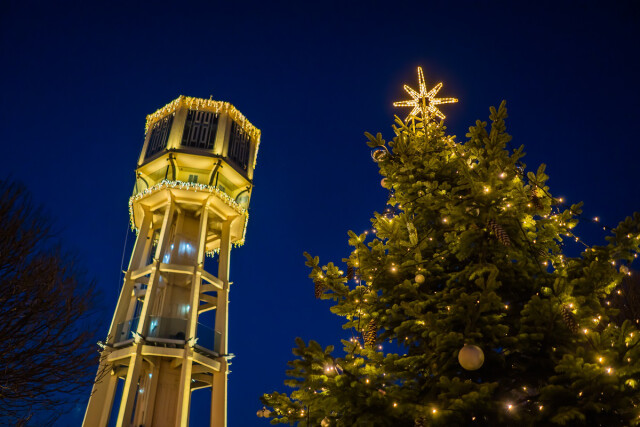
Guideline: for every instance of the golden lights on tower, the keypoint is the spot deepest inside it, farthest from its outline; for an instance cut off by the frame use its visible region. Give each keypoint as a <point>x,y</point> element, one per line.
<point>424,102</point>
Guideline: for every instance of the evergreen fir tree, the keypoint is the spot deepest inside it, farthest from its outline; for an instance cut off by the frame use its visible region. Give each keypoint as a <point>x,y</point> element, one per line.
<point>471,253</point>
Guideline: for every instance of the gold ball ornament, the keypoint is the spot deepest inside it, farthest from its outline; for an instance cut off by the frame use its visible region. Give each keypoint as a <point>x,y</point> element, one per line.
<point>263,413</point>
<point>471,357</point>
<point>325,422</point>
<point>384,183</point>
<point>419,278</point>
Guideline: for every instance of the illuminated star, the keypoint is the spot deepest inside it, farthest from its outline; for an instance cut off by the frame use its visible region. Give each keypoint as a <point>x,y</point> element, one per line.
<point>424,102</point>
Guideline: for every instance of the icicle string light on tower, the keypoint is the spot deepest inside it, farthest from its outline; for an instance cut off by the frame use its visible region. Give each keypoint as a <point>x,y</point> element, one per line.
<point>424,102</point>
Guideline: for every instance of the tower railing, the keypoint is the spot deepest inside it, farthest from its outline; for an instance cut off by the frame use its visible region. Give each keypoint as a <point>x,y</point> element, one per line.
<point>168,331</point>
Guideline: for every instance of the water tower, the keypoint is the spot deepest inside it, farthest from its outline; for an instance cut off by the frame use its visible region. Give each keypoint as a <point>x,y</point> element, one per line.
<point>190,198</point>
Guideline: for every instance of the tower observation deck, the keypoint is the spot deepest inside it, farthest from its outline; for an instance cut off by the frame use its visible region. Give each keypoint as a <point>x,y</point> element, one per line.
<point>193,185</point>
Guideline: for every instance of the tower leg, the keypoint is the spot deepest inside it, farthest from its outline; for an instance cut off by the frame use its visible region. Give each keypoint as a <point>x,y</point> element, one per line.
<point>219,388</point>
<point>102,395</point>
<point>130,389</point>
<point>153,389</point>
<point>184,394</point>
<point>101,400</point>
<point>219,397</point>
<point>135,364</point>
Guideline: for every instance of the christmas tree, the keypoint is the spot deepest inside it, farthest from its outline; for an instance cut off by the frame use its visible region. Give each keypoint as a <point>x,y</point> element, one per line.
<point>484,317</point>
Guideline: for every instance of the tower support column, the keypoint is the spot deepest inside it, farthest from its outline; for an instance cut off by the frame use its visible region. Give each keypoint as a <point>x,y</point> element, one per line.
<point>130,388</point>
<point>104,388</point>
<point>133,373</point>
<point>219,388</point>
<point>184,394</point>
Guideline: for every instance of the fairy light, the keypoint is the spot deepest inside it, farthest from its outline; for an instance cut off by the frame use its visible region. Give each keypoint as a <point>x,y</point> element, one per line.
<point>202,104</point>
<point>395,404</point>
<point>424,102</point>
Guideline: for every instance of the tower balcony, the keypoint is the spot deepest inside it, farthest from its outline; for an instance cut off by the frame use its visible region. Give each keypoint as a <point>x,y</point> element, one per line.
<point>189,198</point>
<point>170,331</point>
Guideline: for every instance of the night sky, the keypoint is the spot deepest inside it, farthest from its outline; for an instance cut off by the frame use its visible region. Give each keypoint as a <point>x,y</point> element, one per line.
<point>79,79</point>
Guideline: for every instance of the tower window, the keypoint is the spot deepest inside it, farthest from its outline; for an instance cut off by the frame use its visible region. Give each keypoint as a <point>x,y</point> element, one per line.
<point>239,144</point>
<point>200,129</point>
<point>159,136</point>
<point>193,178</point>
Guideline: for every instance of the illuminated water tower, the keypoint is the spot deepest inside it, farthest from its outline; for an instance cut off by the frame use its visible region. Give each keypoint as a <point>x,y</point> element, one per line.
<point>194,182</point>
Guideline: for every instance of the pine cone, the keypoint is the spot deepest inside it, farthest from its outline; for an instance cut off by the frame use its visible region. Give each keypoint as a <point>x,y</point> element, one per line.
<point>350,272</point>
<point>535,200</point>
<point>499,232</point>
<point>542,253</point>
<point>371,334</point>
<point>568,318</point>
<point>318,288</point>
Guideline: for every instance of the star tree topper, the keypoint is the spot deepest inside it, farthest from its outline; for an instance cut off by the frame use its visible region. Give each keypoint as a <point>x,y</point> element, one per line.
<point>423,102</point>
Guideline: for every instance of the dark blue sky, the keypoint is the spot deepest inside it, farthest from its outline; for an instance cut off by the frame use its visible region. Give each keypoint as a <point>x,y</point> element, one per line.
<point>78,80</point>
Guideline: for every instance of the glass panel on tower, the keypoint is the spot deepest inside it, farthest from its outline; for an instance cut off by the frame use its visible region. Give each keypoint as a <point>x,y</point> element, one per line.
<point>200,129</point>
<point>239,146</point>
<point>159,136</point>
